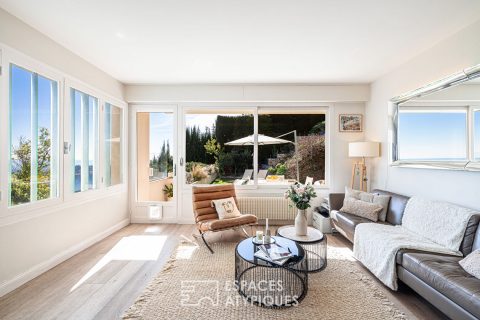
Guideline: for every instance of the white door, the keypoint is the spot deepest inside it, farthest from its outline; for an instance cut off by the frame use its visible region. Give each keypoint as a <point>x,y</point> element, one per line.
<point>154,163</point>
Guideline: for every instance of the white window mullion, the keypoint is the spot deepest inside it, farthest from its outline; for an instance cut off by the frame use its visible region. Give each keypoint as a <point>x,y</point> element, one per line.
<point>470,133</point>
<point>84,140</point>
<point>54,139</point>
<point>96,144</point>
<point>34,138</point>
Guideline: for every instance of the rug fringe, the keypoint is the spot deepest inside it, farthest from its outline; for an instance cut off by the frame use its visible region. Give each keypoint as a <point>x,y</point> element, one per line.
<point>378,293</point>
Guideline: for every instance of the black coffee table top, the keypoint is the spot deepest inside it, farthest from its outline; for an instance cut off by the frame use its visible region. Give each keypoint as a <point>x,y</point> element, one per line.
<point>246,250</point>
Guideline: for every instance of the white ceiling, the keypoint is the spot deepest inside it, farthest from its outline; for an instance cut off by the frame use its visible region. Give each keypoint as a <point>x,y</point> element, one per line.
<point>248,41</point>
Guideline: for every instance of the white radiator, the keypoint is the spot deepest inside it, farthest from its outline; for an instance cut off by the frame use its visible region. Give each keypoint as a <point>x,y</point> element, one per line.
<point>275,208</point>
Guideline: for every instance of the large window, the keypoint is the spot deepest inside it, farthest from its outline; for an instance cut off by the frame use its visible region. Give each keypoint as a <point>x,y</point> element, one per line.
<point>84,128</point>
<point>220,146</point>
<point>297,150</point>
<point>113,144</point>
<point>432,134</point>
<point>33,137</point>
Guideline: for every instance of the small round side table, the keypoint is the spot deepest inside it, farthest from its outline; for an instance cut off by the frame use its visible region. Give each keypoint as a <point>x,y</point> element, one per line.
<point>314,244</point>
<point>268,284</point>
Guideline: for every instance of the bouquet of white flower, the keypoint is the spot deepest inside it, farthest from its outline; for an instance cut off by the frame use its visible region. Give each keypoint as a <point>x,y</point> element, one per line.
<point>300,195</point>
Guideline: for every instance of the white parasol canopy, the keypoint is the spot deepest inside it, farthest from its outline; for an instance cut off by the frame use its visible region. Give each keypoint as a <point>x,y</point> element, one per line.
<point>262,140</point>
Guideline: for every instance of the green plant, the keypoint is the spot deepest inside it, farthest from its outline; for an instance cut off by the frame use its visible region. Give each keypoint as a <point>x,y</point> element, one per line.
<point>168,190</point>
<point>281,169</point>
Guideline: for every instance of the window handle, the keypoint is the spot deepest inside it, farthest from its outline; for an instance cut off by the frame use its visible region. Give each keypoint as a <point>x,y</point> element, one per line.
<point>174,170</point>
<point>181,161</point>
<point>66,147</point>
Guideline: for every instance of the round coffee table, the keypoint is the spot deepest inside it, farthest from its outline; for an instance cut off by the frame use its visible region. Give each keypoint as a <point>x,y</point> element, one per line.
<point>314,244</point>
<point>268,284</point>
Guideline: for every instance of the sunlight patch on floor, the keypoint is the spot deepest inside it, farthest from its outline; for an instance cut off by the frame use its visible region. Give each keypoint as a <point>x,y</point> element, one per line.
<point>131,248</point>
<point>153,229</point>
<point>337,253</point>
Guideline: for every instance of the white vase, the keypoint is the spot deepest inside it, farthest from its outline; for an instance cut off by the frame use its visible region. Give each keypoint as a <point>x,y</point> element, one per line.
<point>301,223</point>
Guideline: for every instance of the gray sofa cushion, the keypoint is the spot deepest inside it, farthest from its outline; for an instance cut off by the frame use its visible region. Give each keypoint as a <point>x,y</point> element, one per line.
<point>444,274</point>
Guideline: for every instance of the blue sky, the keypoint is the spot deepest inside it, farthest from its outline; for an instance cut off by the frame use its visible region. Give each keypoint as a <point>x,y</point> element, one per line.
<point>161,129</point>
<point>92,109</point>
<point>21,103</point>
<point>432,135</point>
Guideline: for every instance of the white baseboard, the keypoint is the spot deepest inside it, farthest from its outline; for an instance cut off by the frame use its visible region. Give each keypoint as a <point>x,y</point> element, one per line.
<point>162,221</point>
<point>20,279</point>
<point>152,221</point>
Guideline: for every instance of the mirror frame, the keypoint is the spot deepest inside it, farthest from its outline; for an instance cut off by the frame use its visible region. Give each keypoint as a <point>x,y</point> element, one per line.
<point>394,103</point>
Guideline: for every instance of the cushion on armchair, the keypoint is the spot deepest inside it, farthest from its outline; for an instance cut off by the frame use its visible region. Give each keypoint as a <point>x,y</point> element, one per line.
<point>226,208</point>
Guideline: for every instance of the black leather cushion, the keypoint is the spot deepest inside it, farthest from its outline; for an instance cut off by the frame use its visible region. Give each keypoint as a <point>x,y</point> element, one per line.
<point>396,206</point>
<point>347,223</point>
<point>444,274</point>
<point>402,252</point>
<point>471,236</point>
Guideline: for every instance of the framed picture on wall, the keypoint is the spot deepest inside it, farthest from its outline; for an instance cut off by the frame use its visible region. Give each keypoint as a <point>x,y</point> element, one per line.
<point>350,123</point>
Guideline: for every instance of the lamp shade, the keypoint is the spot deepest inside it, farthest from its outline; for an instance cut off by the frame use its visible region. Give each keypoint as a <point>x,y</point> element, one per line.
<point>363,149</point>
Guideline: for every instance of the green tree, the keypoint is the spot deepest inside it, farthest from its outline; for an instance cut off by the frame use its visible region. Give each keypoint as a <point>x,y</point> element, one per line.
<point>213,148</point>
<point>21,168</point>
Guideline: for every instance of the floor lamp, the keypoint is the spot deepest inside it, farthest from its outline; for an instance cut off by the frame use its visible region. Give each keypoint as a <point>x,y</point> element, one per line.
<point>362,150</point>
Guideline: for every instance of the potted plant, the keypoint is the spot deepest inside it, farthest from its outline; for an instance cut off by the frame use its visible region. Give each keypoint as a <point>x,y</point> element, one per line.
<point>168,190</point>
<point>300,195</point>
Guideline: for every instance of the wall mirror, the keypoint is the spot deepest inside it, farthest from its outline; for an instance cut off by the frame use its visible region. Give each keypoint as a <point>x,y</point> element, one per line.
<point>438,126</point>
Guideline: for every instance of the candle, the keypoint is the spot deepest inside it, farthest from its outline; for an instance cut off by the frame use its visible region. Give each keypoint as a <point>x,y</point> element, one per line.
<point>259,235</point>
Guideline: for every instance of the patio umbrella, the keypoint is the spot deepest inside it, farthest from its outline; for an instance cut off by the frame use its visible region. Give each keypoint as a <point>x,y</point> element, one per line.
<point>266,140</point>
<point>262,140</point>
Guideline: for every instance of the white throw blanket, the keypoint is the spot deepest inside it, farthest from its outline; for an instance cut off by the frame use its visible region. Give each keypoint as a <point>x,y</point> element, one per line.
<point>442,229</point>
<point>376,246</point>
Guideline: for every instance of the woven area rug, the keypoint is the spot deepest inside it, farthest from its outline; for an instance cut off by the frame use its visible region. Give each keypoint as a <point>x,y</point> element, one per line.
<point>341,291</point>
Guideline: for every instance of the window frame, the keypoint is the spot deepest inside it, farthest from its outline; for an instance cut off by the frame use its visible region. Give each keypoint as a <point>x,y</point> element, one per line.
<point>101,189</point>
<point>10,57</point>
<point>132,115</point>
<point>123,145</point>
<point>471,132</point>
<point>65,200</point>
<point>323,108</point>
<point>71,144</point>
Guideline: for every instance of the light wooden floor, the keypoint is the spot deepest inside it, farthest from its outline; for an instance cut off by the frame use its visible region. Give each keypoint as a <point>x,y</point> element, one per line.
<point>105,279</point>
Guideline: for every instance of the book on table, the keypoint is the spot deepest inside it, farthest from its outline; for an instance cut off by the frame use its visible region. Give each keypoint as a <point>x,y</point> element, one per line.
<point>273,253</point>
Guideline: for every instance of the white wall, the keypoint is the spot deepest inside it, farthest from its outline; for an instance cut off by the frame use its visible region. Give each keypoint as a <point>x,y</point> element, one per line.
<point>22,37</point>
<point>32,246</point>
<point>450,56</point>
<point>254,93</point>
<point>340,98</point>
